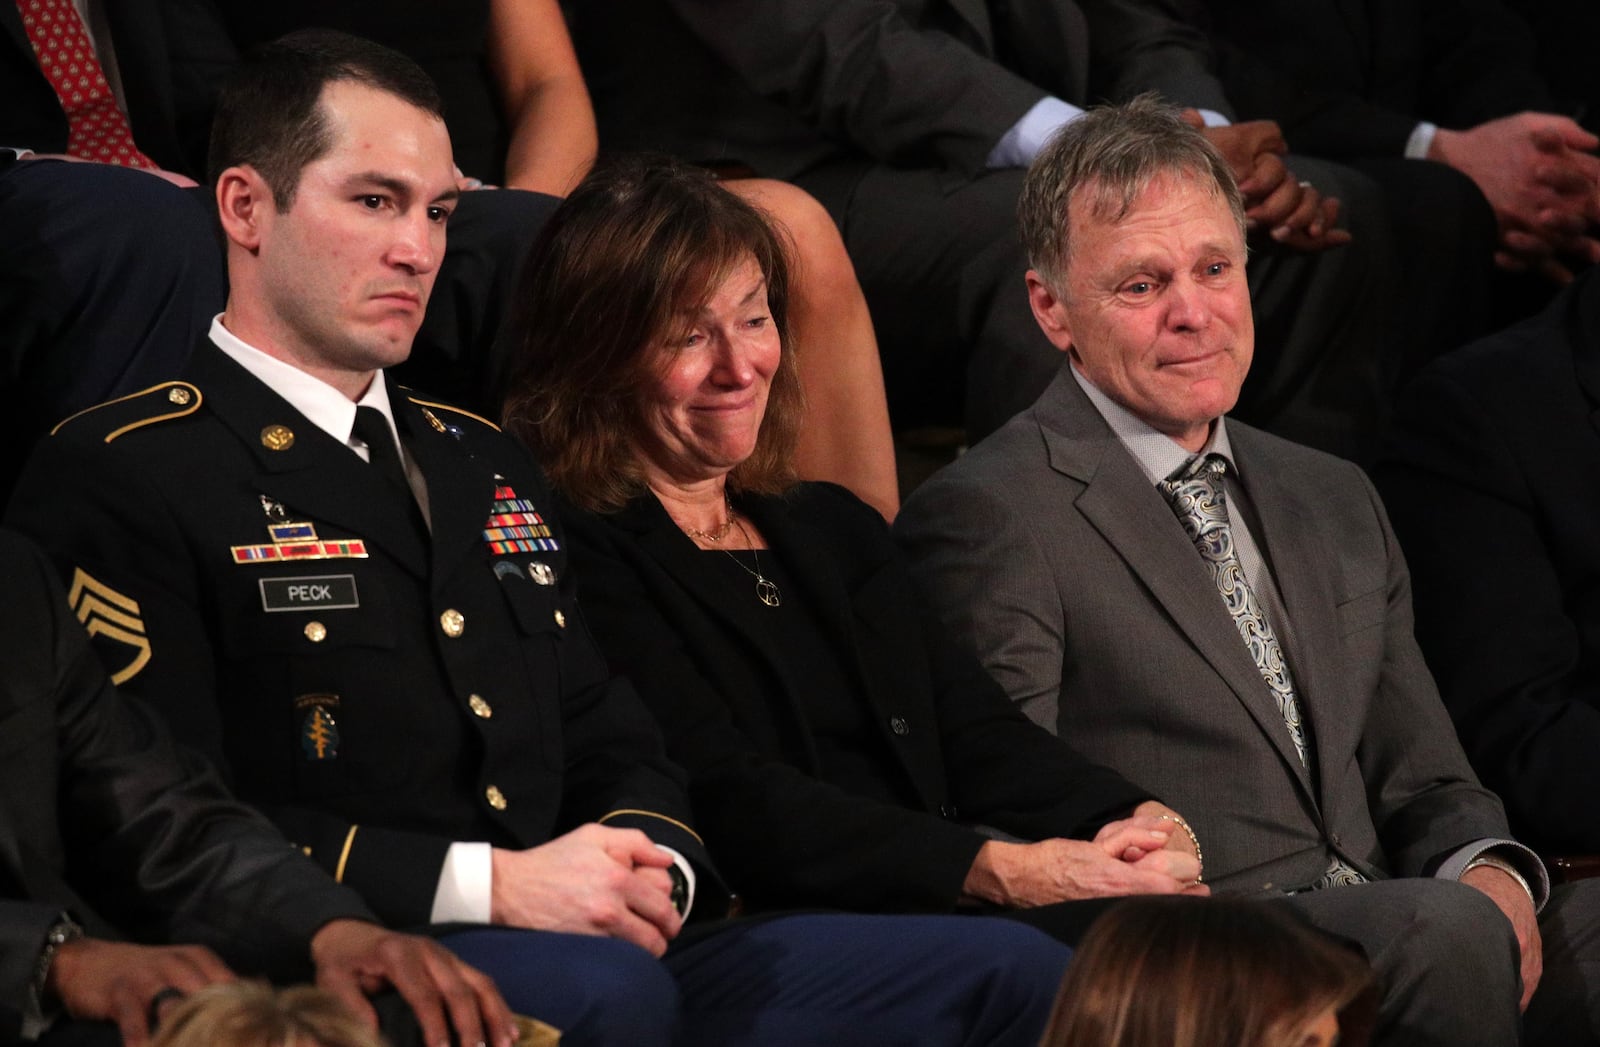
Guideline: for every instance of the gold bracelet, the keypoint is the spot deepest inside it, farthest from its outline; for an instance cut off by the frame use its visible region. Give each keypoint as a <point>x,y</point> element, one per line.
<point>1199,857</point>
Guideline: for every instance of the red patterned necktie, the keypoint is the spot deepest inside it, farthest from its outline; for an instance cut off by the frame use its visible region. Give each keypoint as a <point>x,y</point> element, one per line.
<point>97,130</point>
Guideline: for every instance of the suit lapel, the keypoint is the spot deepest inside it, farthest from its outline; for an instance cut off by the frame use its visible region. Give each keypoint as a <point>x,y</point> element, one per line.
<point>315,476</point>
<point>1119,501</point>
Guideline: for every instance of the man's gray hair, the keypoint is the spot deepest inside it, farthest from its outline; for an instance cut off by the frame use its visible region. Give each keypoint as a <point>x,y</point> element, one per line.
<point>1103,160</point>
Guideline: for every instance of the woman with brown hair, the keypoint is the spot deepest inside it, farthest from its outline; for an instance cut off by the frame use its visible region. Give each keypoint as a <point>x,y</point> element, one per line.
<point>1219,972</point>
<point>840,753</point>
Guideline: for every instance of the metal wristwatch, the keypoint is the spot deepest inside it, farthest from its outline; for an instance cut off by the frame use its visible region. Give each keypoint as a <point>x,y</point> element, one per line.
<point>64,930</point>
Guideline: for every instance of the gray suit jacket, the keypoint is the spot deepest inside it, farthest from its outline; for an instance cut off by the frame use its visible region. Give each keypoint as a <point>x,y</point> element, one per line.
<point>1050,552</point>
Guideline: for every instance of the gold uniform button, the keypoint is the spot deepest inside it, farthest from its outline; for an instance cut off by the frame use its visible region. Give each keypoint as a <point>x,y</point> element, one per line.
<point>561,620</point>
<point>496,798</point>
<point>480,708</point>
<point>316,632</point>
<point>453,622</point>
<point>178,396</point>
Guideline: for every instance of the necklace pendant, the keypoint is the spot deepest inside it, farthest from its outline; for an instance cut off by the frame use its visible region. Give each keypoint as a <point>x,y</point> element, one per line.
<point>767,593</point>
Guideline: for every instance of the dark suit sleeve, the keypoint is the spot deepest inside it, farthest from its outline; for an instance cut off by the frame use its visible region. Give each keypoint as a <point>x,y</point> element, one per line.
<point>1146,45</point>
<point>1496,616</point>
<point>148,834</point>
<point>862,72</point>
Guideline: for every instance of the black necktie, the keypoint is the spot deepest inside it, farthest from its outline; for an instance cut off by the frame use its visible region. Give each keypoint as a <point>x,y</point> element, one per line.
<point>372,429</point>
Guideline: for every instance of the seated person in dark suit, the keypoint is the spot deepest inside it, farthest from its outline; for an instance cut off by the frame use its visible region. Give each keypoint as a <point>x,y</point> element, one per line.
<point>107,829</point>
<point>1492,478</point>
<point>839,752</point>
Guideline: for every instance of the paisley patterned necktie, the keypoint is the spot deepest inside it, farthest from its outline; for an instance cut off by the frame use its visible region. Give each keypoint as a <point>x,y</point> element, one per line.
<point>1198,500</point>
<point>1202,508</point>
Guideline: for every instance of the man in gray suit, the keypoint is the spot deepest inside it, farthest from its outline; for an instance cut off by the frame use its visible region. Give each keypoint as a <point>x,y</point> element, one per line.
<point>1082,551</point>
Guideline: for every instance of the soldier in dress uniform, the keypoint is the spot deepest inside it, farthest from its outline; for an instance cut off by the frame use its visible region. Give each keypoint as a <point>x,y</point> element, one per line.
<point>354,599</point>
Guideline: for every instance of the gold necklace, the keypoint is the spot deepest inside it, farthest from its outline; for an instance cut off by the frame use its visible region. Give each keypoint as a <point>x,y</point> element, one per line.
<point>766,590</point>
<point>720,533</point>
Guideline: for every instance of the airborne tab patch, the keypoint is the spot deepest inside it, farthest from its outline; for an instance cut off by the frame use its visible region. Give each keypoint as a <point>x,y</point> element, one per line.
<point>107,613</point>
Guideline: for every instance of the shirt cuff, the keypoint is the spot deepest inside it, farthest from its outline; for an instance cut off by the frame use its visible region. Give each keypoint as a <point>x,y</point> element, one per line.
<point>1214,118</point>
<point>1509,851</point>
<point>688,875</point>
<point>1018,146</point>
<point>465,885</point>
<point>1421,140</point>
